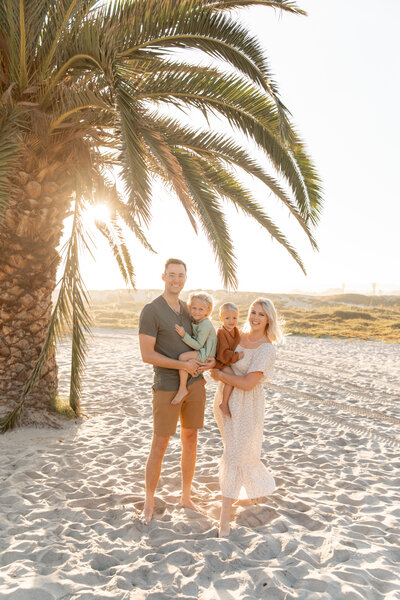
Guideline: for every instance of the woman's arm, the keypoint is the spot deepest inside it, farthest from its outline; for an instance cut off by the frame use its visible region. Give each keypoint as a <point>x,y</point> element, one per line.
<point>243,382</point>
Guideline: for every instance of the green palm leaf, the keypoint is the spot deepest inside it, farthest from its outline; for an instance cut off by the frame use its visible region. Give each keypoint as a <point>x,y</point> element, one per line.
<point>211,217</point>
<point>228,187</point>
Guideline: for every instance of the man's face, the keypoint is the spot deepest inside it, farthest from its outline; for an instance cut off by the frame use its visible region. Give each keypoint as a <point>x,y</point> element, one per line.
<point>174,278</point>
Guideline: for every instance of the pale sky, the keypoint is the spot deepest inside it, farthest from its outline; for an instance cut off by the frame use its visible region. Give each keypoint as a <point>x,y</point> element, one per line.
<point>337,72</point>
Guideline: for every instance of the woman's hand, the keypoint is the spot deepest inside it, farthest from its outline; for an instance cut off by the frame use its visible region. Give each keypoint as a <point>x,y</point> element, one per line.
<point>216,374</point>
<point>209,364</point>
<point>180,330</point>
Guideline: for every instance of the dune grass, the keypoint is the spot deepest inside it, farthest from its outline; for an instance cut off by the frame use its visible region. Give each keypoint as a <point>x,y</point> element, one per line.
<point>343,316</point>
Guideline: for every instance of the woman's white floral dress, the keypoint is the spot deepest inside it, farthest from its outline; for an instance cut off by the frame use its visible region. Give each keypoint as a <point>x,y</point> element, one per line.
<point>242,474</point>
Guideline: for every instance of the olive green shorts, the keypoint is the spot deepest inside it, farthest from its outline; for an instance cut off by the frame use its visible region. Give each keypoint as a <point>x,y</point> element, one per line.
<point>190,410</point>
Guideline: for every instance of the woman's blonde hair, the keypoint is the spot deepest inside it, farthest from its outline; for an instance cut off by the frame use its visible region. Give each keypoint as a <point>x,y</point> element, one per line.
<point>204,297</point>
<point>274,328</point>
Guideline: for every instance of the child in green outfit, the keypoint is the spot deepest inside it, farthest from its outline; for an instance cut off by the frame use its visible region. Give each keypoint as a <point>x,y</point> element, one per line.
<point>204,339</point>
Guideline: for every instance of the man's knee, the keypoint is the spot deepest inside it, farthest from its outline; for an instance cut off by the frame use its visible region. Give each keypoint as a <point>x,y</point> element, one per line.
<point>159,445</point>
<point>189,436</point>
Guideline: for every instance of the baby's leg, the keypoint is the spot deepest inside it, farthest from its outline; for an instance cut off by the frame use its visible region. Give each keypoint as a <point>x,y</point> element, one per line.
<point>183,377</point>
<point>226,392</point>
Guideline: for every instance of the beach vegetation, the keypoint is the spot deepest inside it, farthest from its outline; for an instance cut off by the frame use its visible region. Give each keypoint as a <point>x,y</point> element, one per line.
<point>89,90</point>
<point>60,405</point>
<point>315,316</point>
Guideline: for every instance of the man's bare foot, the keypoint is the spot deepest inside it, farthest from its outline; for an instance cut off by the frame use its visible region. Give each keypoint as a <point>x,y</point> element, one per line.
<point>147,513</point>
<point>224,408</point>
<point>191,505</point>
<point>179,396</point>
<point>224,530</point>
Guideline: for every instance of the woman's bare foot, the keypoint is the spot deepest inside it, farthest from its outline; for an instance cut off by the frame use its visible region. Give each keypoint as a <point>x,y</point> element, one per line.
<point>179,396</point>
<point>224,530</point>
<point>224,408</point>
<point>247,502</point>
<point>147,513</point>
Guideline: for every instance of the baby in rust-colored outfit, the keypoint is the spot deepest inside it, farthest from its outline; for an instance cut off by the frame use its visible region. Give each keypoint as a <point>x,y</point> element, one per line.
<point>228,338</point>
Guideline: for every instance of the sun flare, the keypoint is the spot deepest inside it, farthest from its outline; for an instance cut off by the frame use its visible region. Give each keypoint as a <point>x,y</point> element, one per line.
<point>98,212</point>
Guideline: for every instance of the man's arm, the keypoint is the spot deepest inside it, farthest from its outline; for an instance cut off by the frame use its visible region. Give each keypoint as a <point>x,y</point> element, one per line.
<point>149,355</point>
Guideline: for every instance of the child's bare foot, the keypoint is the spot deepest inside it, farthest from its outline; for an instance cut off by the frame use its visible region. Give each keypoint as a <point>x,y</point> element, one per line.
<point>224,530</point>
<point>224,408</point>
<point>179,396</point>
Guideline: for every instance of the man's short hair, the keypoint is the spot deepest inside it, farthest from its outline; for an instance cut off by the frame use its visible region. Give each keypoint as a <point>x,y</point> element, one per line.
<point>174,261</point>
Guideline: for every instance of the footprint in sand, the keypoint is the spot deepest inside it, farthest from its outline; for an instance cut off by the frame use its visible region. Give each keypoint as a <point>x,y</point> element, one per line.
<point>102,562</point>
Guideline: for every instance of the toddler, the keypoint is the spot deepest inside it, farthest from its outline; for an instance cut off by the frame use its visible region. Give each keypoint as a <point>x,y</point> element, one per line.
<point>228,337</point>
<point>204,339</point>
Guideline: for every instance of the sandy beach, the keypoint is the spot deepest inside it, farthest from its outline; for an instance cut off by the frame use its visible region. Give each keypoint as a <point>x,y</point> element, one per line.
<point>70,498</point>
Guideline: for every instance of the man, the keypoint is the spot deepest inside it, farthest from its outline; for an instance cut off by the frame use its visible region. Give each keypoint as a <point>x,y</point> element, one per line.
<point>161,346</point>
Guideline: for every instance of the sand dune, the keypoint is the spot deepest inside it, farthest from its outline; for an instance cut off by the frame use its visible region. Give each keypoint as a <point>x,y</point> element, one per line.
<point>69,500</point>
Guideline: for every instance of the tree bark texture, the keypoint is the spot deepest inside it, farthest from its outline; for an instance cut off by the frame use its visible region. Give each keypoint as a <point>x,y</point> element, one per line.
<point>30,232</point>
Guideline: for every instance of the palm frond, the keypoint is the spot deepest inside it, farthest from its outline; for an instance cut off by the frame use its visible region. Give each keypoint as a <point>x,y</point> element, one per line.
<point>218,146</point>
<point>119,250</point>
<point>81,320</point>
<point>244,107</point>
<point>227,186</point>
<point>311,179</point>
<point>128,218</point>
<point>211,217</point>
<point>284,5</point>
<point>188,25</point>
<point>57,29</point>
<point>133,157</point>
<point>10,151</point>
<point>171,167</point>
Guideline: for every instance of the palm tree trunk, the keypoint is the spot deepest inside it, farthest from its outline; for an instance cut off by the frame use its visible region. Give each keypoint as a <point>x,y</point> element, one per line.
<point>30,232</point>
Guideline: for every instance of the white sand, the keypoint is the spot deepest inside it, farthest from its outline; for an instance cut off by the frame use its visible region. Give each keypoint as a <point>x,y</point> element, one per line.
<point>69,499</point>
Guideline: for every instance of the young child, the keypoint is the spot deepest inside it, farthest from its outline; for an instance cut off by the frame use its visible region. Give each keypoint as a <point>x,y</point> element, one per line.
<point>204,339</point>
<point>228,337</point>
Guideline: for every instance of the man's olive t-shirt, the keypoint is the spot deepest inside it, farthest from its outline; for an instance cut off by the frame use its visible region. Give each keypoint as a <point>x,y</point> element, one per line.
<point>158,319</point>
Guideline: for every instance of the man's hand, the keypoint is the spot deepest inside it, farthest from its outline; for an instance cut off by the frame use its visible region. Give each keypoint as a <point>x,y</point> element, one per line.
<point>209,364</point>
<point>180,330</point>
<point>191,366</point>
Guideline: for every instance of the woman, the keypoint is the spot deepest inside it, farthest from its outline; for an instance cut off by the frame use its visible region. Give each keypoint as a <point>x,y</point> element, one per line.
<point>242,474</point>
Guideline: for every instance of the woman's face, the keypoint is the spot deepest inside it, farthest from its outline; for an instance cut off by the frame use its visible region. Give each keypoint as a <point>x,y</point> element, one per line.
<point>258,319</point>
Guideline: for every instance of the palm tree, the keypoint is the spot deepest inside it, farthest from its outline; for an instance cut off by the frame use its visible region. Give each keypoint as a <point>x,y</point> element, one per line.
<point>84,86</point>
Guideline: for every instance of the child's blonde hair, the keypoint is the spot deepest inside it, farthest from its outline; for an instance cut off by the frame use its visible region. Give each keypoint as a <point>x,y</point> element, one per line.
<point>274,328</point>
<point>204,297</point>
<point>227,306</point>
